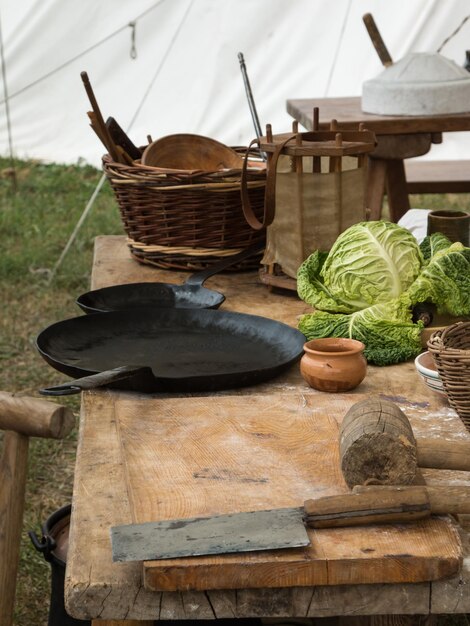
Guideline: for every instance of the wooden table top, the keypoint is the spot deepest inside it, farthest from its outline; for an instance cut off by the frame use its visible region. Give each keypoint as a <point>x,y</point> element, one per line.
<point>98,588</point>
<point>349,114</point>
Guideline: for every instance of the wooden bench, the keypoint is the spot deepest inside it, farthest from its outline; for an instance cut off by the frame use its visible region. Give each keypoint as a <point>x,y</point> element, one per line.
<point>20,419</point>
<point>437,176</point>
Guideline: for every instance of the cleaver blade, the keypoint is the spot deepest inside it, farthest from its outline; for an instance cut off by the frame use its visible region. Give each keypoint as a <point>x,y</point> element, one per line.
<point>218,534</point>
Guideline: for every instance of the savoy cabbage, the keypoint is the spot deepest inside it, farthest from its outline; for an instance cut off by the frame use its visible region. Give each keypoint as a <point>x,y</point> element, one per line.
<point>366,286</point>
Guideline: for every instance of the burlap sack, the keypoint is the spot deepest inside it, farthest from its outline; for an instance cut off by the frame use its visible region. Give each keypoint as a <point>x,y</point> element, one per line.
<point>304,210</point>
<point>312,209</point>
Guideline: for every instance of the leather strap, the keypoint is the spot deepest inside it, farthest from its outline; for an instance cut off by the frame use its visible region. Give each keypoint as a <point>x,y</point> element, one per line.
<point>270,191</point>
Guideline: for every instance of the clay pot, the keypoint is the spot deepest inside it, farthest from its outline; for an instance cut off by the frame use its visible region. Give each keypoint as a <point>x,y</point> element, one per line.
<point>333,364</point>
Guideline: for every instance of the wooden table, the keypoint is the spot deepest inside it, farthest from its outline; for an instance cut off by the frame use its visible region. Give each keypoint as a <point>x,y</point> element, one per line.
<point>98,589</point>
<point>398,138</point>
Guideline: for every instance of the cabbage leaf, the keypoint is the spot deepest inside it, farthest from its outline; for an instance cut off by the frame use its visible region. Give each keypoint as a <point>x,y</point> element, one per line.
<point>432,244</point>
<point>445,281</point>
<point>386,330</point>
<point>311,289</point>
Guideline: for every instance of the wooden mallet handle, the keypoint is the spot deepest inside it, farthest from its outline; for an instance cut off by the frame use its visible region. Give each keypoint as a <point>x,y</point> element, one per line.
<point>443,500</point>
<point>370,506</point>
<point>377,40</point>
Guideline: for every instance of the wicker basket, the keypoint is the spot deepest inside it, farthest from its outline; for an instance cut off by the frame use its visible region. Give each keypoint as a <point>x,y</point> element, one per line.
<point>182,220</point>
<point>450,349</point>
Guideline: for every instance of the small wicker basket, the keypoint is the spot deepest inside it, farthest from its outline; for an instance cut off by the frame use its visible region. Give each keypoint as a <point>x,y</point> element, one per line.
<point>450,349</point>
<point>185,220</point>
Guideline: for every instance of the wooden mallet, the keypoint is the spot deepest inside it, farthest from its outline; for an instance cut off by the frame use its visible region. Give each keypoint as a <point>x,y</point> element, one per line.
<point>377,447</point>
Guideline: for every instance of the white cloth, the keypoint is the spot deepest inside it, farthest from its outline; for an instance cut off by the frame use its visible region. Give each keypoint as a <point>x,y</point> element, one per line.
<point>186,71</point>
<point>416,221</point>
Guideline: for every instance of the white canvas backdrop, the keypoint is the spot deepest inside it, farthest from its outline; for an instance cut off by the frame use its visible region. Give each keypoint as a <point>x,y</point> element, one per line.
<point>186,76</point>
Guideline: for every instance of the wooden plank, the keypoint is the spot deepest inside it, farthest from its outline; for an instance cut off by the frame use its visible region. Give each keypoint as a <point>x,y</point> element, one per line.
<point>438,176</point>
<point>349,114</point>
<point>126,622</point>
<point>95,508</point>
<point>279,452</point>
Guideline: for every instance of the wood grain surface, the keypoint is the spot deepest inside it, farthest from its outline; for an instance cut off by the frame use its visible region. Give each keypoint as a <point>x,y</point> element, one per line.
<point>189,459</point>
<point>97,588</point>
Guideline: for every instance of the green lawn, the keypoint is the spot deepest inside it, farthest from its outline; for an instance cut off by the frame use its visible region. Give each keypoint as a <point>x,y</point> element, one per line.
<point>35,223</point>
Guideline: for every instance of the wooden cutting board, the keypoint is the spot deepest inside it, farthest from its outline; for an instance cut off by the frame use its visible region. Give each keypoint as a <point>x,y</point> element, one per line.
<point>229,453</point>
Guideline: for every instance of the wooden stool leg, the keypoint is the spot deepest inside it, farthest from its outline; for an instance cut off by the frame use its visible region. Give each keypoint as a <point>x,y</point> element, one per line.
<point>397,193</point>
<point>13,470</point>
<point>375,192</point>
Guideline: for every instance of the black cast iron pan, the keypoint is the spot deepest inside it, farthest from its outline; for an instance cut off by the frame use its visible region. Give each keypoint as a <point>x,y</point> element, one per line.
<point>190,295</point>
<point>171,350</point>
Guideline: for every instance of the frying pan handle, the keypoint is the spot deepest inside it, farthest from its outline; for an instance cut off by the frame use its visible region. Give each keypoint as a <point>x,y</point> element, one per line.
<point>97,380</point>
<point>199,278</point>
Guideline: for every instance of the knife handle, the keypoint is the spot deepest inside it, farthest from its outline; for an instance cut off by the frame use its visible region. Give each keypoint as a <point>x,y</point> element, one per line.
<point>368,507</point>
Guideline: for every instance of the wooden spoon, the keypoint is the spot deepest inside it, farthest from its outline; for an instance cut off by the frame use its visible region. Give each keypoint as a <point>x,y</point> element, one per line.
<point>191,152</point>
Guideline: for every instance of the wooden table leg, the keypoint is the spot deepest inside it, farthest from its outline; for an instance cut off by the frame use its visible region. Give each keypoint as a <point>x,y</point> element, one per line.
<point>397,194</point>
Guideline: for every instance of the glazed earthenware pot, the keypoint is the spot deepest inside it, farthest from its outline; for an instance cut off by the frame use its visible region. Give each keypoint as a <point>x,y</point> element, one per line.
<point>333,364</point>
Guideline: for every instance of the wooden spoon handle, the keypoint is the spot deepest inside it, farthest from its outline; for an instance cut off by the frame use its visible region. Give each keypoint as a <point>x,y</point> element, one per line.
<point>102,128</point>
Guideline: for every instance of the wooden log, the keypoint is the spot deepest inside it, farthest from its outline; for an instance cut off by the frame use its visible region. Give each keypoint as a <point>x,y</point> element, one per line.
<point>377,445</point>
<point>371,505</point>
<point>34,417</point>
<point>13,470</point>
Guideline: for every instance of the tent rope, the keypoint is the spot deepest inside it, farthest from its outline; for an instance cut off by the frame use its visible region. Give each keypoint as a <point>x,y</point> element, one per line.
<point>338,46</point>
<point>93,197</point>
<point>452,35</point>
<point>86,51</point>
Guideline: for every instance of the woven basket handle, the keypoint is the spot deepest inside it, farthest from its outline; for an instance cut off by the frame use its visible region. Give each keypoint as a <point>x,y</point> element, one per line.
<point>270,191</point>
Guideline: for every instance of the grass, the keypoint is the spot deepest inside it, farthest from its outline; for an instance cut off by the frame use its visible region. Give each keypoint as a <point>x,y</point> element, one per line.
<point>35,223</point>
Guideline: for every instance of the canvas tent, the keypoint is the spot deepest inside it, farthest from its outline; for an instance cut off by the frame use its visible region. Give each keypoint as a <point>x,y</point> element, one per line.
<point>169,66</point>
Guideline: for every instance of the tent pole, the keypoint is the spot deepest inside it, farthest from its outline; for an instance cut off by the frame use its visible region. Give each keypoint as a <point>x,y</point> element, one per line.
<point>7,112</point>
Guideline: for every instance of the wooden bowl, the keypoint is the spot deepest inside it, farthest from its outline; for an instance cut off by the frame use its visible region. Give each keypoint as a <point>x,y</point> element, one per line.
<point>191,152</point>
